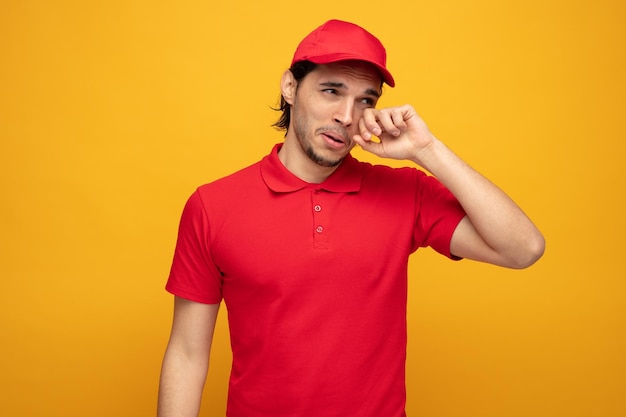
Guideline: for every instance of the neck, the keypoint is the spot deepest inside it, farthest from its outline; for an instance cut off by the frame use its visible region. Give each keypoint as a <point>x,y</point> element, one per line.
<point>299,164</point>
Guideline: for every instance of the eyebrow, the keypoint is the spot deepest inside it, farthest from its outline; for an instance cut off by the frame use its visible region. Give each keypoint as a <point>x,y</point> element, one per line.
<point>369,91</point>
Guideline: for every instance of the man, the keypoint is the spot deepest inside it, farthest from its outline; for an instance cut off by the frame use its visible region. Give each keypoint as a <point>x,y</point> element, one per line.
<point>309,247</point>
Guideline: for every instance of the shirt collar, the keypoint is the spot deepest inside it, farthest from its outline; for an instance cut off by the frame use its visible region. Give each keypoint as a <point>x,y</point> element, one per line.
<point>345,179</point>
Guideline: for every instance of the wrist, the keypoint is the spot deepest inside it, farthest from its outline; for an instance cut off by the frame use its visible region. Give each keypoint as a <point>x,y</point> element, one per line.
<point>428,156</point>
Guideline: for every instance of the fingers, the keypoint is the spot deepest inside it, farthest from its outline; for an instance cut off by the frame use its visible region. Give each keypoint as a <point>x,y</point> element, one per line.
<point>391,121</point>
<point>368,145</point>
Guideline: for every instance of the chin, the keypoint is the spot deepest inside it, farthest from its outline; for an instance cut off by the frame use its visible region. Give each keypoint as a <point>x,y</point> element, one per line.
<point>327,162</point>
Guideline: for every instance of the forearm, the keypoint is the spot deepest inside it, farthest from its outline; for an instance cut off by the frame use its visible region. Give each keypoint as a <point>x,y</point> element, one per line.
<point>181,384</point>
<point>497,219</point>
<point>495,230</point>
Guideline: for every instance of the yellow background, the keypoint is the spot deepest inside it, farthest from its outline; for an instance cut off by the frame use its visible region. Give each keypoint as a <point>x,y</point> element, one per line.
<point>111,113</point>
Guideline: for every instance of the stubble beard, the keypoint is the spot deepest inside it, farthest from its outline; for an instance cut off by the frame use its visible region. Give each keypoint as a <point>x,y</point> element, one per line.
<point>301,130</point>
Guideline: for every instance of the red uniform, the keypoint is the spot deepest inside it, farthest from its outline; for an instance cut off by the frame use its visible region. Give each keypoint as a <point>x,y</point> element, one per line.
<point>314,277</point>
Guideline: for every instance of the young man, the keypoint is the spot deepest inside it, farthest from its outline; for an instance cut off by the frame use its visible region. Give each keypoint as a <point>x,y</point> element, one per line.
<point>309,247</point>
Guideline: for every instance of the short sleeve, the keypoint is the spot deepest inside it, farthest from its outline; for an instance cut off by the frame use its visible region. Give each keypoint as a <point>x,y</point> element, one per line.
<point>439,213</point>
<point>194,275</point>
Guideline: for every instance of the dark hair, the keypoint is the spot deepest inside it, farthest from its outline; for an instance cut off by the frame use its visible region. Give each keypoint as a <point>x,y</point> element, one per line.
<point>299,70</point>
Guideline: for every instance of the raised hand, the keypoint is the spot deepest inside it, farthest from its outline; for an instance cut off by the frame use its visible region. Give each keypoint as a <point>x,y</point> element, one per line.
<point>402,133</point>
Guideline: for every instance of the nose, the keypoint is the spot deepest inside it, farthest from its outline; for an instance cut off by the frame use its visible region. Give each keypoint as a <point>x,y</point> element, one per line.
<point>344,113</point>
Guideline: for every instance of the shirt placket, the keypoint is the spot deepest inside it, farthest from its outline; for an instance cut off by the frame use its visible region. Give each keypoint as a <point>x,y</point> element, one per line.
<point>320,211</point>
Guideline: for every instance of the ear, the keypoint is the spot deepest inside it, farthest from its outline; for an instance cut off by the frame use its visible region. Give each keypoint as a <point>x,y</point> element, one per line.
<point>288,86</point>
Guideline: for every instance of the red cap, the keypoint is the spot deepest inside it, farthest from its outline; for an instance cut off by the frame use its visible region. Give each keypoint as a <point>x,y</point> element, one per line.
<point>341,41</point>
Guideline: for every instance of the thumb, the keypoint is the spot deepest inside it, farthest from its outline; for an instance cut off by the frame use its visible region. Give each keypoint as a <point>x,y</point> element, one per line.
<point>368,145</point>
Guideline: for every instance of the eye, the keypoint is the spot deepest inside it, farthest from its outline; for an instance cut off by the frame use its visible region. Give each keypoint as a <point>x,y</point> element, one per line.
<point>330,91</point>
<point>368,101</point>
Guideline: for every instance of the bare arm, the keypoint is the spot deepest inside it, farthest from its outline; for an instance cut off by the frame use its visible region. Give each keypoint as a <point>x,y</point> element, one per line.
<point>495,229</point>
<point>186,360</point>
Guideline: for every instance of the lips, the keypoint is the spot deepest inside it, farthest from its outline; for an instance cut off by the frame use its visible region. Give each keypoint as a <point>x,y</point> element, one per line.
<point>334,139</point>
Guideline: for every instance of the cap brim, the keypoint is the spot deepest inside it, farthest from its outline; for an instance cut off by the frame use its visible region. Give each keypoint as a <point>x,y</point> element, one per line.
<point>329,59</point>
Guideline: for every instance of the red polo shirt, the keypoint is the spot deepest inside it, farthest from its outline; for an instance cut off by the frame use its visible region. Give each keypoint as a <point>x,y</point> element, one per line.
<point>314,277</point>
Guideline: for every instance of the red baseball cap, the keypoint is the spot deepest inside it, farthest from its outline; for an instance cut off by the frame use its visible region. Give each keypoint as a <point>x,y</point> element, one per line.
<point>336,41</point>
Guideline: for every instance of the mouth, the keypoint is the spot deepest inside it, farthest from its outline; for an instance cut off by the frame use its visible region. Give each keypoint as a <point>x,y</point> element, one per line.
<point>334,139</point>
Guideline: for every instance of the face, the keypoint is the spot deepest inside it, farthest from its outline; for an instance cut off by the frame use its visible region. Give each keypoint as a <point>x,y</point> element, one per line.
<point>326,107</point>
